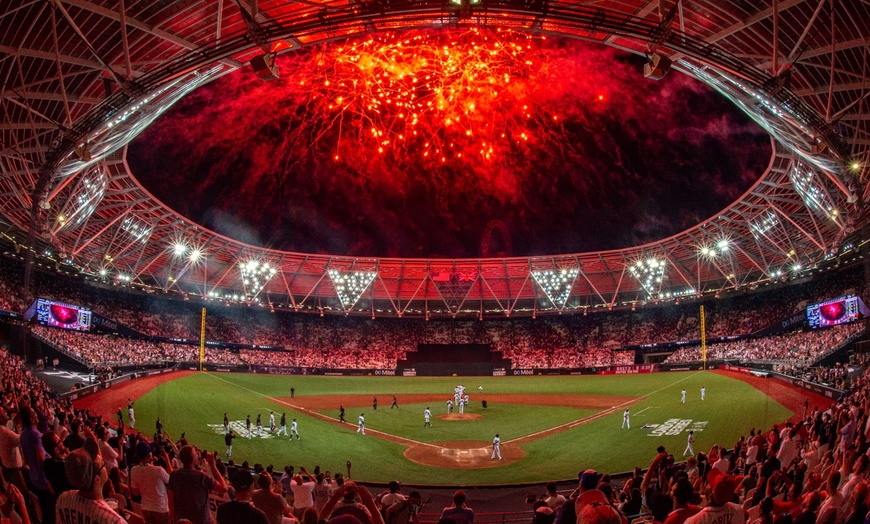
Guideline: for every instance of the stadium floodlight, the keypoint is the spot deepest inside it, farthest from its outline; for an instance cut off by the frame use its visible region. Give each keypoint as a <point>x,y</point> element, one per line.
<point>723,244</point>
<point>255,275</point>
<point>556,284</point>
<point>195,255</point>
<point>137,229</point>
<point>350,285</point>
<point>179,249</point>
<point>763,223</point>
<point>650,274</point>
<point>707,252</point>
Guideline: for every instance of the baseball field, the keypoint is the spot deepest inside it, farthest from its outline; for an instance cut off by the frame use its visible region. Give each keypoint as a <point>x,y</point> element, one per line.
<point>550,427</point>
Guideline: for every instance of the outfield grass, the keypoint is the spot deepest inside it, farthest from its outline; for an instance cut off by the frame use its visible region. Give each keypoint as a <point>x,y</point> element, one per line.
<point>730,409</point>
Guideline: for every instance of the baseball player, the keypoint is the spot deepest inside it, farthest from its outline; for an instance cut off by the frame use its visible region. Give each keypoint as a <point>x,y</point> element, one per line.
<point>461,403</point>
<point>362,424</point>
<point>395,404</point>
<point>271,422</point>
<point>259,426</point>
<point>426,415</point>
<point>496,448</point>
<point>226,424</point>
<point>449,406</point>
<point>683,396</point>
<point>248,427</point>
<point>625,421</point>
<point>341,414</point>
<point>228,440</point>
<point>294,430</point>
<point>283,425</point>
<point>131,415</point>
<point>691,440</point>
<point>703,394</point>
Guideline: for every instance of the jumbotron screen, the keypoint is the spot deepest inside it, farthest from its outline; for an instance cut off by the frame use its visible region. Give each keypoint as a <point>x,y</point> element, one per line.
<point>62,315</point>
<point>836,311</point>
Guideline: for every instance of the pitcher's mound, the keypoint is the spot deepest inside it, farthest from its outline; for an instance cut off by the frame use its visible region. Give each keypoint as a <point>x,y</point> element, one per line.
<point>459,416</point>
<point>462,454</point>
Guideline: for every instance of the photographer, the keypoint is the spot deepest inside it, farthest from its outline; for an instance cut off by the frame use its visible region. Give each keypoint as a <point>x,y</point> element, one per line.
<point>406,511</point>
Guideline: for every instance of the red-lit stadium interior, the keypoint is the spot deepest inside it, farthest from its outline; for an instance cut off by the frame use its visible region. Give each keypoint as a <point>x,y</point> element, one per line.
<point>567,184</point>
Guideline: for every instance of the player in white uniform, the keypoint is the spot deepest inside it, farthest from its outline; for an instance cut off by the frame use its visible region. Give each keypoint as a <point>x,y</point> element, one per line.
<point>294,430</point>
<point>362,424</point>
<point>703,393</point>
<point>271,422</point>
<point>691,440</point>
<point>131,416</point>
<point>449,406</point>
<point>426,415</point>
<point>496,448</point>
<point>683,397</point>
<point>625,421</point>
<point>283,425</point>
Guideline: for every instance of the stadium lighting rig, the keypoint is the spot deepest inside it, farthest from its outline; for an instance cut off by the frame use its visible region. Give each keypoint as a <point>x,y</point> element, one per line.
<point>255,276</point>
<point>350,285</point>
<point>556,284</point>
<point>649,273</point>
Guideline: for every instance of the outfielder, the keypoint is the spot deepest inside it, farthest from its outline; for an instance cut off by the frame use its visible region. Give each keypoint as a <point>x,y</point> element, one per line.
<point>703,393</point>
<point>683,396</point>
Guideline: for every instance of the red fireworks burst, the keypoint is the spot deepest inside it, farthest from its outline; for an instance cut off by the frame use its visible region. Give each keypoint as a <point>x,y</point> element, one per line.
<point>424,97</point>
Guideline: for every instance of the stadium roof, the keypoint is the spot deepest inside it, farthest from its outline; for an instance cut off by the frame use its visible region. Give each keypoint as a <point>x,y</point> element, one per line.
<point>82,78</point>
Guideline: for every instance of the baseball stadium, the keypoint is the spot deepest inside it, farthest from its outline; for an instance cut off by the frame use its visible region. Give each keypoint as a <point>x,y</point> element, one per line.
<point>421,246</point>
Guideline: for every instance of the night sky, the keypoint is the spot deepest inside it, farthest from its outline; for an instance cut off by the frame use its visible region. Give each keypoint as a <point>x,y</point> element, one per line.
<point>415,145</point>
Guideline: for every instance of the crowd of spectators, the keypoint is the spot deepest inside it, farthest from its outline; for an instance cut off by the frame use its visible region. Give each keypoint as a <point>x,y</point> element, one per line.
<point>163,316</point>
<point>63,464</point>
<point>812,471</point>
<point>799,348</point>
<point>575,340</point>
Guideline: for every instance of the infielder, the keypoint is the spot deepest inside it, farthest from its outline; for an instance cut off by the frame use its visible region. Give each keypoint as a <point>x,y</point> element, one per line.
<point>496,448</point>
<point>625,421</point>
<point>362,424</point>
<point>294,430</point>
<point>683,396</point>
<point>703,394</point>
<point>426,415</point>
<point>462,405</point>
<point>449,406</point>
